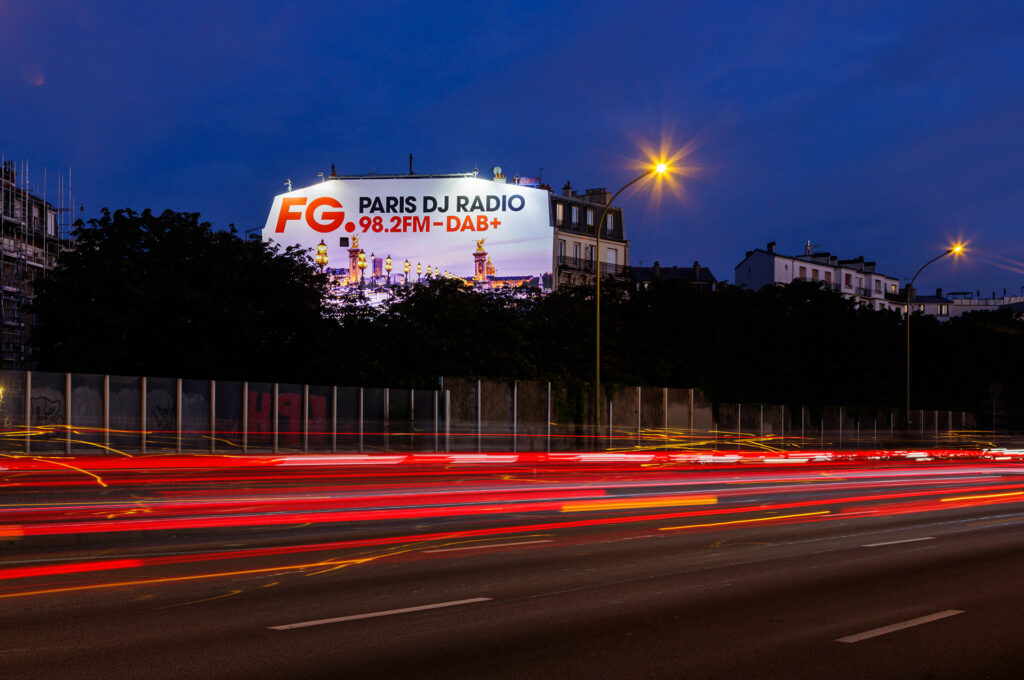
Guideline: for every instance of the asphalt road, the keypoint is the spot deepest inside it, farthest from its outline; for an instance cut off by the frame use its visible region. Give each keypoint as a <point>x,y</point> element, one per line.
<point>783,593</point>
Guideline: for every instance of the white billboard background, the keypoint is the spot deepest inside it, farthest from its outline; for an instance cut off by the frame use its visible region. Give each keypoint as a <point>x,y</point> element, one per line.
<point>431,221</point>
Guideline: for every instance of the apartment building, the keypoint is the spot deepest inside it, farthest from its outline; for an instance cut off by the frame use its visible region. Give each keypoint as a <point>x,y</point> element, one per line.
<point>855,278</point>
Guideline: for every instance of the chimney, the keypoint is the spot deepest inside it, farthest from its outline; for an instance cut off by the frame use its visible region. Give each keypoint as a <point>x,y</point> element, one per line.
<point>567,189</point>
<point>938,292</point>
<point>656,270</point>
<point>696,269</point>
<point>807,249</point>
<point>771,247</point>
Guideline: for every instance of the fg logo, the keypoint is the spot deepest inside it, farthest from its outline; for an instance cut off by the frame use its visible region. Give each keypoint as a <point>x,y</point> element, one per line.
<point>323,214</point>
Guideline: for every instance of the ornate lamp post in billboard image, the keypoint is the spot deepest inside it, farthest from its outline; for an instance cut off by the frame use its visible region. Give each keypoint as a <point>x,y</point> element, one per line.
<point>362,267</point>
<point>321,255</point>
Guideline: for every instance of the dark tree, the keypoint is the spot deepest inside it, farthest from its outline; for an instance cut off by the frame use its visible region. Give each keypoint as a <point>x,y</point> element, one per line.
<point>440,328</point>
<point>166,295</point>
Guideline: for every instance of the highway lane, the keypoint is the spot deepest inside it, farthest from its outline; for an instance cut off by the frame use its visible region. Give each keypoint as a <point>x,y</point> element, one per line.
<point>638,598</point>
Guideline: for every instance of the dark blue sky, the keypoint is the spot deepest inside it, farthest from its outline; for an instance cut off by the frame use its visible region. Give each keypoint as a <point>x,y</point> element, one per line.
<point>871,128</point>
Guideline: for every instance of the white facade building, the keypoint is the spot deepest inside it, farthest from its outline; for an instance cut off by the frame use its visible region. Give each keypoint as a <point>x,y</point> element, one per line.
<point>854,279</point>
<point>946,307</point>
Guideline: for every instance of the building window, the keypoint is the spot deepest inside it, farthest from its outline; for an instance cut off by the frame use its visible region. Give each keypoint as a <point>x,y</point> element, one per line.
<point>561,249</point>
<point>878,286</point>
<point>828,277</point>
<point>559,214</point>
<point>590,217</point>
<point>576,252</point>
<point>803,273</point>
<point>575,215</point>
<point>943,310</point>
<point>613,257</point>
<point>848,281</point>
<point>814,274</point>
<point>610,222</point>
<point>892,287</point>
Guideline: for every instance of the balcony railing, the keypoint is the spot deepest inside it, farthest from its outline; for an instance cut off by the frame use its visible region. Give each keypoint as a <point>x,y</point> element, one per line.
<point>580,264</point>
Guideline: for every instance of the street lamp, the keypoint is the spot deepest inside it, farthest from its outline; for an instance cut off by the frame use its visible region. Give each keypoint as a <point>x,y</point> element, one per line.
<point>406,267</point>
<point>361,263</point>
<point>954,250</point>
<point>657,170</point>
<point>419,271</point>
<point>321,255</point>
<point>387,268</point>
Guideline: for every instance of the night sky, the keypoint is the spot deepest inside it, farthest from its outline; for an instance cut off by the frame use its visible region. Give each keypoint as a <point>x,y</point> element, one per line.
<point>877,129</point>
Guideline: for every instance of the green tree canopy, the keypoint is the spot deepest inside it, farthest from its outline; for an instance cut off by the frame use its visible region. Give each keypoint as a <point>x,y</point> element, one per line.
<point>166,295</point>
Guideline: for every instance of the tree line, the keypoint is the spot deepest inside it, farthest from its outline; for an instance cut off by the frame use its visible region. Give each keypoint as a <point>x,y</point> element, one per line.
<point>166,295</point>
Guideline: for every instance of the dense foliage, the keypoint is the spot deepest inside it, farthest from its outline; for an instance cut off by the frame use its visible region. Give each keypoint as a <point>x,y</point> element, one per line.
<point>797,344</point>
<point>166,295</point>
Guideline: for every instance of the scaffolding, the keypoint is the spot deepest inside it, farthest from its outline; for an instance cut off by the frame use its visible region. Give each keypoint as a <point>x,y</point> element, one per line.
<point>33,233</point>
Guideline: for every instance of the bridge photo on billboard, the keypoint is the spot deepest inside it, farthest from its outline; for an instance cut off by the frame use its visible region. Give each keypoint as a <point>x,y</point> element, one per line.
<point>384,232</point>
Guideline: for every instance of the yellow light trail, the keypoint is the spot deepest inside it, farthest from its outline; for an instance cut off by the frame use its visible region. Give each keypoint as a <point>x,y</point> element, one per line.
<point>172,579</point>
<point>991,495</point>
<point>99,480</point>
<point>583,506</point>
<point>745,521</point>
<point>208,599</point>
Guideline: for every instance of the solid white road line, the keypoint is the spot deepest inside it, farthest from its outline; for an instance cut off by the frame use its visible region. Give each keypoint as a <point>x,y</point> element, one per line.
<point>492,545</point>
<point>373,615</point>
<point>908,540</point>
<point>875,632</point>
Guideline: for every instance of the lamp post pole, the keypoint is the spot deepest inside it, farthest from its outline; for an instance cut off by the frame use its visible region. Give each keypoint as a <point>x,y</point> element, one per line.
<point>948,251</point>
<point>597,292</point>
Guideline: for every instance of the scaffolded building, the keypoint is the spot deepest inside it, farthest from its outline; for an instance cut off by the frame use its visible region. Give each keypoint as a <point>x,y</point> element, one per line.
<point>33,232</point>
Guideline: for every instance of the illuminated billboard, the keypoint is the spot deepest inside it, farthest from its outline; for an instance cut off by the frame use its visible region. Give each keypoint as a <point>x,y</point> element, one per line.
<point>489,233</point>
